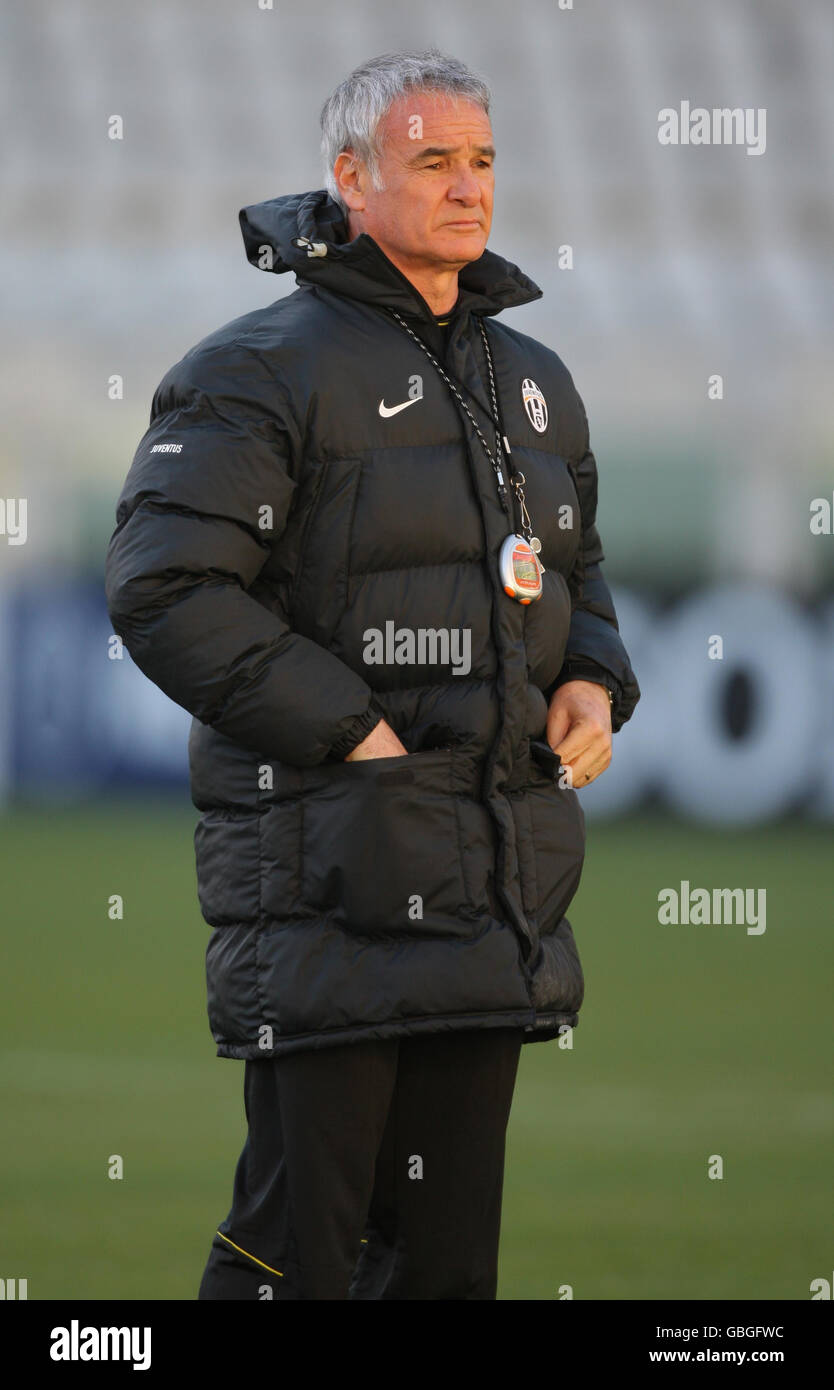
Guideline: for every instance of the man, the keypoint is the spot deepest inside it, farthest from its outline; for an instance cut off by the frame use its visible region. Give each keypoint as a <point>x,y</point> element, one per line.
<point>358,544</point>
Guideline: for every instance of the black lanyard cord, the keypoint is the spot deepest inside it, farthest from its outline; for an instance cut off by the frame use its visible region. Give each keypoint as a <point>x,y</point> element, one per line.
<point>496,458</point>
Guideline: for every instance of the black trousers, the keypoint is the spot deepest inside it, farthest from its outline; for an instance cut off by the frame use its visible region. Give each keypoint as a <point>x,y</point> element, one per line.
<point>373,1170</point>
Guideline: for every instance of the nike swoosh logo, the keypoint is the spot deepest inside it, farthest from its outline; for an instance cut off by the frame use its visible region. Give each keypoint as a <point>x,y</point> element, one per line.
<point>386,410</point>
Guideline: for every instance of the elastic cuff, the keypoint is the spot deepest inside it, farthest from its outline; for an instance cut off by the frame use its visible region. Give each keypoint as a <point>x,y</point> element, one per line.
<point>583,669</point>
<point>357,730</point>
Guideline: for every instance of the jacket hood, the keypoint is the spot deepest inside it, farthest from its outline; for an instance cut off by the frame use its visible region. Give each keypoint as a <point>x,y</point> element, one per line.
<point>307,233</point>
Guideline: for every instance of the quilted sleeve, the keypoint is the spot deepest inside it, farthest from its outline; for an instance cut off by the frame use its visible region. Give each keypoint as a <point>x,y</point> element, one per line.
<point>595,650</point>
<point>189,544</point>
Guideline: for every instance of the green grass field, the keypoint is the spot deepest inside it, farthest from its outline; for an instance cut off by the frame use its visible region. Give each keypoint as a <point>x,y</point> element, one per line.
<point>693,1041</point>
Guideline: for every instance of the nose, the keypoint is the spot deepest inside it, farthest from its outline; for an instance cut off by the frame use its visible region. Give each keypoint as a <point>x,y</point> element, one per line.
<point>465,187</point>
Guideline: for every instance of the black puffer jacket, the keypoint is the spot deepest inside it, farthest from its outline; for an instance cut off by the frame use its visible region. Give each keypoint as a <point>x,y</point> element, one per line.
<point>284,535</point>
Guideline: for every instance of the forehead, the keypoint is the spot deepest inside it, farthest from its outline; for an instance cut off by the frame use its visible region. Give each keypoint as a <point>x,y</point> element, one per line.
<point>445,118</point>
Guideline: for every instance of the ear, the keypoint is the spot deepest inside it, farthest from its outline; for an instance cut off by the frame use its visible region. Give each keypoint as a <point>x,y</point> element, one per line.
<point>352,179</point>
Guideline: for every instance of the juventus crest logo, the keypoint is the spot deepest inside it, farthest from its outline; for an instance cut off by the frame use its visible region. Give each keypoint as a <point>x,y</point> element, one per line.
<point>535,405</point>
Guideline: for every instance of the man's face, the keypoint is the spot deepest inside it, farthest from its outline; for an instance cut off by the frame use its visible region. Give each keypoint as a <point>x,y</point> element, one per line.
<point>436,166</point>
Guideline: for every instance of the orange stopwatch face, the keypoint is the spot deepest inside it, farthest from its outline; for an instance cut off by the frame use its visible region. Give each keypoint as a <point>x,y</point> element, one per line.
<point>521,573</point>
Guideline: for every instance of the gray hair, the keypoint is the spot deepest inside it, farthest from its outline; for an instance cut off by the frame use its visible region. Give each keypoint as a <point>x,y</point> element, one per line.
<point>351,115</point>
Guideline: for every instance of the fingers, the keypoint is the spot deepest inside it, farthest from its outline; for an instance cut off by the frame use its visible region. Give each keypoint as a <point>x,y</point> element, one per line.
<point>585,753</point>
<point>581,737</point>
<point>558,723</point>
<point>579,778</point>
<point>579,729</point>
<point>584,779</point>
<point>588,741</point>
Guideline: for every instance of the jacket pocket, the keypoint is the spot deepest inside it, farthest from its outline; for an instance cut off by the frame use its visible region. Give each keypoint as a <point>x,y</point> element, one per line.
<point>380,846</point>
<point>557,834</point>
<point>227,852</point>
<point>557,830</point>
<point>558,978</point>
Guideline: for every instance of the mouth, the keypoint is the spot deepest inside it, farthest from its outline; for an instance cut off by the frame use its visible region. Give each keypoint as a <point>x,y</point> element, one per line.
<point>464,226</point>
